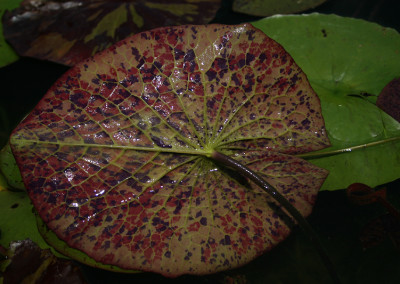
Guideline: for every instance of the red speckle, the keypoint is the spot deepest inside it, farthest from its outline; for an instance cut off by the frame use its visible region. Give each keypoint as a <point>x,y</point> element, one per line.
<point>277,125</point>
<point>194,227</point>
<point>108,258</point>
<point>256,221</point>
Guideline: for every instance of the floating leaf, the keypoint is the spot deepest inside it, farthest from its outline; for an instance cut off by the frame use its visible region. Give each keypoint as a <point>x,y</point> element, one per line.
<point>9,170</point>
<point>116,156</point>
<point>7,54</point>
<point>17,222</point>
<point>70,31</point>
<point>273,7</point>
<point>343,57</point>
<point>28,263</point>
<point>379,229</point>
<point>3,182</point>
<point>361,194</point>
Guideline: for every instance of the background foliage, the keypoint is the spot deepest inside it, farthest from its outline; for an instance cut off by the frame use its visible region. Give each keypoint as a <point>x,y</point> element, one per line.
<point>337,221</point>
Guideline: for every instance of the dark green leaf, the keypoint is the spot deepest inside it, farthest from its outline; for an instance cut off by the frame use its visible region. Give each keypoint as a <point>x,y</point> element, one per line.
<point>272,7</point>
<point>9,170</point>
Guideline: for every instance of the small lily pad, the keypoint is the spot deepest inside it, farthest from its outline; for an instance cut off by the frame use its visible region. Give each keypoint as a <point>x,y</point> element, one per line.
<point>272,7</point>
<point>344,59</point>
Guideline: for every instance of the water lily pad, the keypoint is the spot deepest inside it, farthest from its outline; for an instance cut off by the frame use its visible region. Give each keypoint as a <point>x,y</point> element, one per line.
<point>12,179</point>
<point>17,221</point>
<point>117,156</point>
<point>273,7</point>
<point>348,62</point>
<point>70,31</point>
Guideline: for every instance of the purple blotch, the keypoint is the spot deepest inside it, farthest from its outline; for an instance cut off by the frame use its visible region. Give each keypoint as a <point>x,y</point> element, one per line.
<point>203,221</point>
<point>211,75</point>
<point>249,58</point>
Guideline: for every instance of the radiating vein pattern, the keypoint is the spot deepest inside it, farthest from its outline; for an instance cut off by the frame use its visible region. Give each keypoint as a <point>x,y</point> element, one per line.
<point>114,156</point>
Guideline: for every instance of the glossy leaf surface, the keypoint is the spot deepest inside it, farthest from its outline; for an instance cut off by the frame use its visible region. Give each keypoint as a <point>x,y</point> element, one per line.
<point>115,157</point>
<point>70,31</point>
<point>272,7</point>
<point>345,59</point>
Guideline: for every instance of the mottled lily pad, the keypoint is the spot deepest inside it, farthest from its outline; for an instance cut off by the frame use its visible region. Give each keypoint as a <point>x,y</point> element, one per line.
<point>70,31</point>
<point>116,157</point>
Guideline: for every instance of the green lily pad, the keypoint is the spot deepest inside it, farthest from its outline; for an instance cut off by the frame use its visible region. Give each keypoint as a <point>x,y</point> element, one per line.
<point>17,222</point>
<point>11,176</point>
<point>348,62</point>
<point>272,7</point>
<point>7,54</point>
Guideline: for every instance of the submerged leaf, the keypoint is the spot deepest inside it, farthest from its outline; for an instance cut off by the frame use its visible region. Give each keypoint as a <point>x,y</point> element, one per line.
<point>385,225</point>
<point>70,31</point>
<point>115,157</point>
<point>379,229</point>
<point>343,57</point>
<point>361,194</point>
<point>273,7</point>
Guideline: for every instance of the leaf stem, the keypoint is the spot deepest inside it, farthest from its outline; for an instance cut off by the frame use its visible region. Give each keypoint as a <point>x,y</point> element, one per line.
<point>327,152</point>
<point>293,212</point>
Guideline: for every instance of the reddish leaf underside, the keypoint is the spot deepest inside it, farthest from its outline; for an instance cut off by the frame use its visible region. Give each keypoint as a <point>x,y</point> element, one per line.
<point>114,156</point>
<point>389,99</point>
<point>69,31</point>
